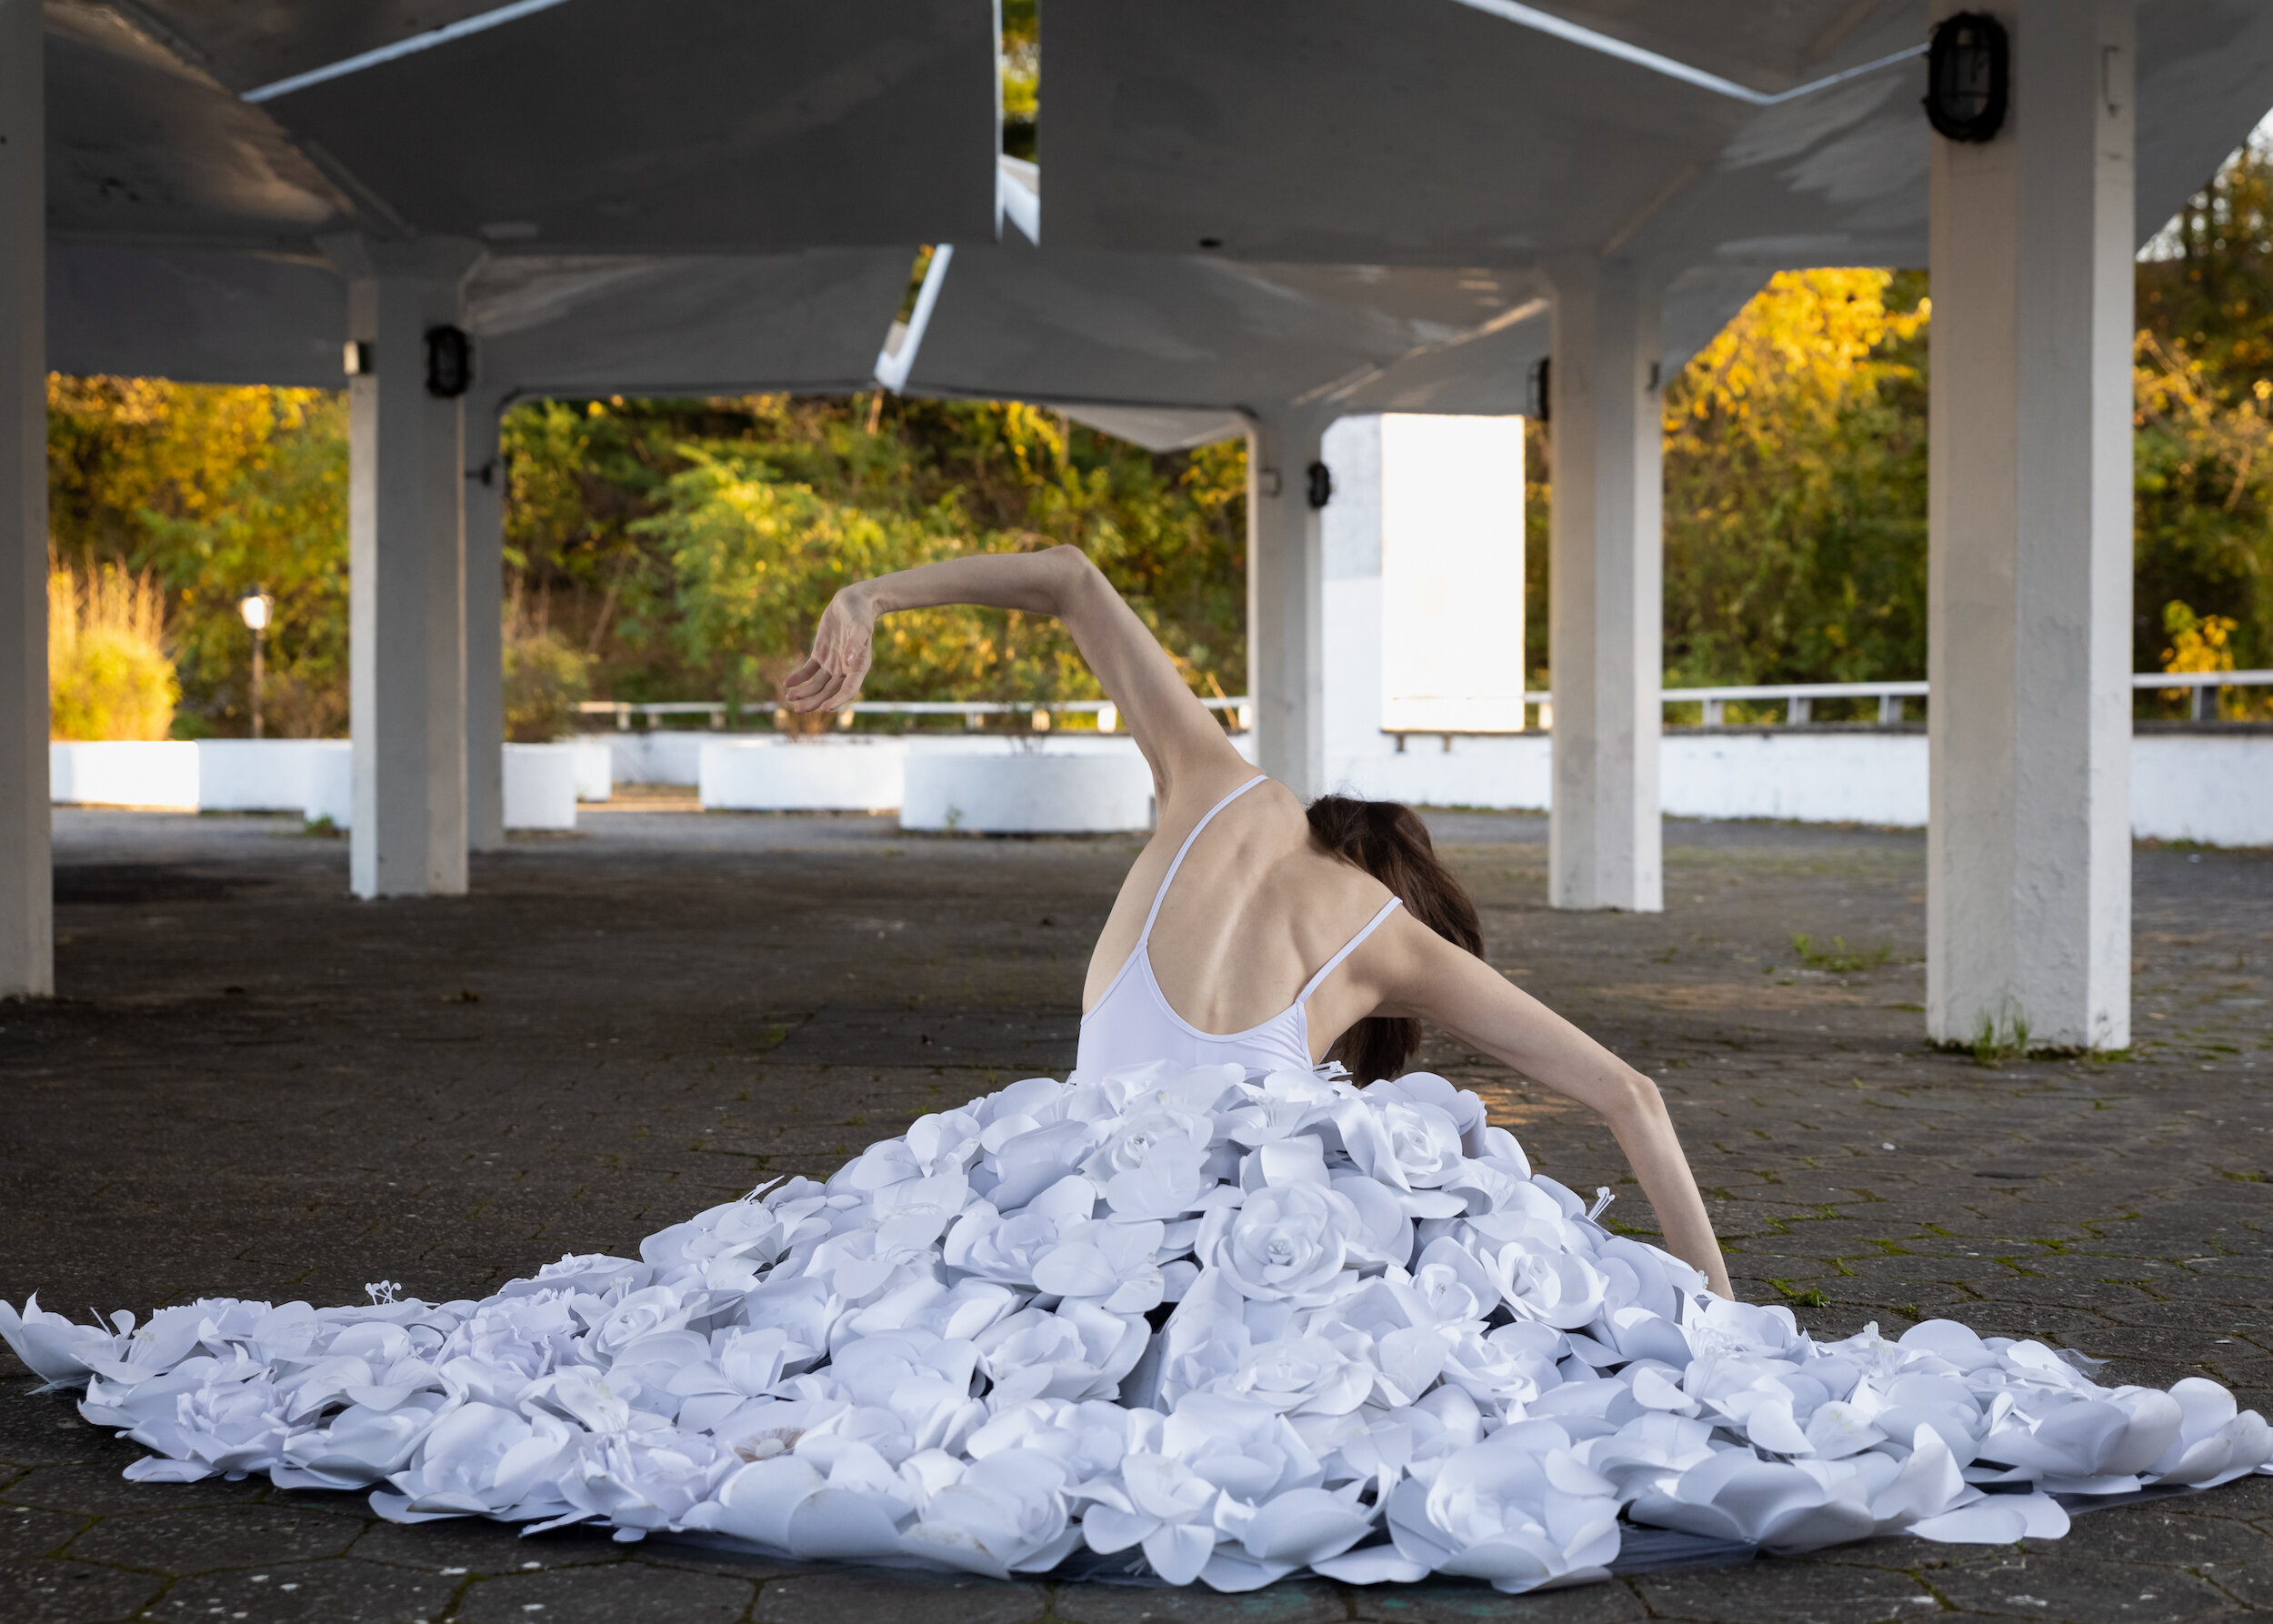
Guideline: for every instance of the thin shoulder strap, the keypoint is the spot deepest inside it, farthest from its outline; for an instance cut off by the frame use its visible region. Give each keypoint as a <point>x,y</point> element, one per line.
<point>1161,896</point>
<point>1349,947</point>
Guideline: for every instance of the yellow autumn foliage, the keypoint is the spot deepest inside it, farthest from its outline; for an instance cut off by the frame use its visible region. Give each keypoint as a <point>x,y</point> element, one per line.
<point>108,676</point>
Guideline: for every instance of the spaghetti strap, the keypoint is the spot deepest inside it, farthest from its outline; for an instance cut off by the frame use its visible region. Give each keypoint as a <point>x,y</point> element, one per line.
<point>1349,947</point>
<point>1208,818</point>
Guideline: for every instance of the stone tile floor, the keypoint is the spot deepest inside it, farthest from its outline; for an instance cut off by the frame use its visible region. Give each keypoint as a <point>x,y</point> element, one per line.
<point>254,1086</point>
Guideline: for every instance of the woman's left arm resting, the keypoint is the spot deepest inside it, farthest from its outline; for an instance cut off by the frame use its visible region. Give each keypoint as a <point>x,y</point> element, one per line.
<point>1432,980</point>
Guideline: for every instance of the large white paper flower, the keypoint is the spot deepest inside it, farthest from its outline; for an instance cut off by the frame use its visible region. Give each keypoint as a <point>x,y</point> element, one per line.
<point>1409,1143</point>
<point>481,1460</point>
<point>1286,1243</point>
<point>1518,1510</point>
<point>1298,1376</point>
<point>1152,1162</point>
<point>1463,1106</point>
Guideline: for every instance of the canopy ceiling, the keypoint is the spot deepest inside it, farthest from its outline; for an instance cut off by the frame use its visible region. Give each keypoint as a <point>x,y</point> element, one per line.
<point>1440,133</point>
<point>713,196</point>
<point>596,124</point>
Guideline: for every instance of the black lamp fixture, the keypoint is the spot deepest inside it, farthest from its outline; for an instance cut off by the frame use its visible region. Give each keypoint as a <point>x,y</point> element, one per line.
<point>1538,390</point>
<point>1321,487</point>
<point>449,362</point>
<point>1968,73</point>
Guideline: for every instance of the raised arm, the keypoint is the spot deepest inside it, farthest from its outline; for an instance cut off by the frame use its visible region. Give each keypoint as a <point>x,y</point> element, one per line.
<point>1421,974</point>
<point>1185,746</point>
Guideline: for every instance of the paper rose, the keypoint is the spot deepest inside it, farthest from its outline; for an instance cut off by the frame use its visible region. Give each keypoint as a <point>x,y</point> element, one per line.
<point>1286,1243</point>
<point>1462,1107</point>
<point>1517,1510</point>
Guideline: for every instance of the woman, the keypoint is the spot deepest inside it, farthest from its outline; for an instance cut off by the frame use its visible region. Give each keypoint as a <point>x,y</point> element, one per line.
<point>1209,1310</point>
<point>1271,896</point>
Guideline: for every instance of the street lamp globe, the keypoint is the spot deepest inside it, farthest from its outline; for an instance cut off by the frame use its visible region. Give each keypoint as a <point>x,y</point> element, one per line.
<point>256,606</point>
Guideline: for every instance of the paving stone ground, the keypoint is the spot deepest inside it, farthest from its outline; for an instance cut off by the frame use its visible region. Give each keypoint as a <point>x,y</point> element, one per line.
<point>254,1086</point>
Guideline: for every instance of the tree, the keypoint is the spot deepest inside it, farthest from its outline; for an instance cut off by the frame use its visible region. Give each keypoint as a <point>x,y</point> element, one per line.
<point>1796,488</point>
<point>215,492</point>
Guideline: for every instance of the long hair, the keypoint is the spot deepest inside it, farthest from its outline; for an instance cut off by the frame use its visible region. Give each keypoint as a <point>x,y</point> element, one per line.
<point>1389,840</point>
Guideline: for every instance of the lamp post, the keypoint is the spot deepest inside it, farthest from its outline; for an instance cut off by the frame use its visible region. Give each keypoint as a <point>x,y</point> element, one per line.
<point>256,606</point>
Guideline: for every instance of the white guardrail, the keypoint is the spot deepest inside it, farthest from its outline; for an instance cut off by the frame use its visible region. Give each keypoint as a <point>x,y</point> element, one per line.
<point>1797,698</point>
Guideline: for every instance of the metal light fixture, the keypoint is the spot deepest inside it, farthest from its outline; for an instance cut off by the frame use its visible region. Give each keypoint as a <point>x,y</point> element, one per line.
<point>1967,74</point>
<point>449,362</point>
<point>257,608</point>
<point>356,359</point>
<point>1539,396</point>
<point>1321,484</point>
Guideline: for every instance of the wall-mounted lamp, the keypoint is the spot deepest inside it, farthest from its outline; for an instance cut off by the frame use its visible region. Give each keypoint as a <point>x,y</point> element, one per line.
<point>1539,401</point>
<point>1968,71</point>
<point>356,359</point>
<point>449,362</point>
<point>1321,484</point>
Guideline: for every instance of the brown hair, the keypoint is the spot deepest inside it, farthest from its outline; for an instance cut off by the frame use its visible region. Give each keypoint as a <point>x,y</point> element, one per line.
<point>1389,840</point>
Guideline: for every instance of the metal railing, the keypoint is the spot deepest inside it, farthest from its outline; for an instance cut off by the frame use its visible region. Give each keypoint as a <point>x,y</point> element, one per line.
<point>970,710</point>
<point>1798,698</point>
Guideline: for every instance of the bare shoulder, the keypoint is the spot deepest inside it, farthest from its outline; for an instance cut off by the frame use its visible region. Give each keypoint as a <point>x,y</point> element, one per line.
<point>1420,975</point>
<point>1188,795</point>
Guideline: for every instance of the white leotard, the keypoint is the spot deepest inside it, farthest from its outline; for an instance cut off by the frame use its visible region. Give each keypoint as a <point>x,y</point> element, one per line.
<point>1133,1022</point>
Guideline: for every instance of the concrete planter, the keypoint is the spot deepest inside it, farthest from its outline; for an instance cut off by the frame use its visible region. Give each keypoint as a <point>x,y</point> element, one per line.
<point>541,787</point>
<point>595,768</point>
<point>2197,785</point>
<point>123,773</point>
<point>261,775</point>
<point>1027,793</point>
<point>825,775</point>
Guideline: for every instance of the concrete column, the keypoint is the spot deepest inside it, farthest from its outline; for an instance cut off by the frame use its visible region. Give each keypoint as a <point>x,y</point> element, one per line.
<point>485,617</point>
<point>27,952</point>
<point>1287,602</point>
<point>407,601</point>
<point>2028,896</point>
<point>1605,609</point>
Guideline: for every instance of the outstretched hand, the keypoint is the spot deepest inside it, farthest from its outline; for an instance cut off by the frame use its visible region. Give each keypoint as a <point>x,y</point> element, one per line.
<point>843,647</point>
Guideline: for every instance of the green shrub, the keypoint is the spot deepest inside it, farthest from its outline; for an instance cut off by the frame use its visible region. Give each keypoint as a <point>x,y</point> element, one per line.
<point>546,679</point>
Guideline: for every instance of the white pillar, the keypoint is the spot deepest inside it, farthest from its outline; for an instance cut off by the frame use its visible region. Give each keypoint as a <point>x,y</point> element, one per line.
<point>1286,602</point>
<point>27,951</point>
<point>1605,615</point>
<point>2028,897</point>
<point>406,579</point>
<point>485,617</point>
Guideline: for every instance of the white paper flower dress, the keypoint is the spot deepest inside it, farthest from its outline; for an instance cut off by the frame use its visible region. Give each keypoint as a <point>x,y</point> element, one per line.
<point>1204,1322</point>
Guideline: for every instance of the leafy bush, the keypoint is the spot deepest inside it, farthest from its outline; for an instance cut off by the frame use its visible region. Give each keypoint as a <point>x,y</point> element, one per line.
<point>546,677</point>
<point>108,676</point>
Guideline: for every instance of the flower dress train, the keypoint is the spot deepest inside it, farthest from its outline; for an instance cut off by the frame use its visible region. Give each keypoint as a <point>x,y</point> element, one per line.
<point>1193,1323</point>
<point>1219,1317</point>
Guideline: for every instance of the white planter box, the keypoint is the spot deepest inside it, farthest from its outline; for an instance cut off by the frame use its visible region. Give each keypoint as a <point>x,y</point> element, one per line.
<point>123,773</point>
<point>540,786</point>
<point>260,775</point>
<point>331,787</point>
<point>2198,786</point>
<point>595,769</point>
<point>671,755</point>
<point>823,775</point>
<point>1807,778</point>
<point>1027,793</point>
